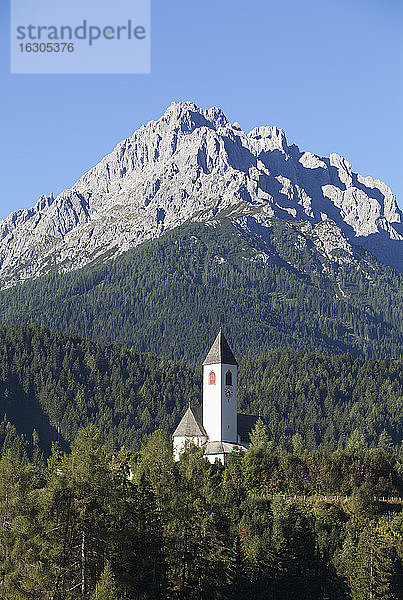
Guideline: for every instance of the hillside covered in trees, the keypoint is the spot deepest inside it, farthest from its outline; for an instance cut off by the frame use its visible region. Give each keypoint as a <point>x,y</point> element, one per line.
<point>52,385</point>
<point>170,295</point>
<point>268,526</point>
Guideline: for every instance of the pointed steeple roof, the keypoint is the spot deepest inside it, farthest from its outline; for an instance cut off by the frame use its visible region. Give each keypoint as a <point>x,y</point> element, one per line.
<point>189,426</point>
<point>220,352</point>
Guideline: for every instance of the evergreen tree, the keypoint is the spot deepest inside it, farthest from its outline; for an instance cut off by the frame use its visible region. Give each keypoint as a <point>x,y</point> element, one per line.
<point>257,548</point>
<point>298,568</point>
<point>199,530</point>
<point>23,574</point>
<point>356,442</point>
<point>259,435</point>
<point>106,587</point>
<point>385,442</point>
<point>77,501</point>
<point>373,568</point>
<point>173,283</point>
<point>297,443</point>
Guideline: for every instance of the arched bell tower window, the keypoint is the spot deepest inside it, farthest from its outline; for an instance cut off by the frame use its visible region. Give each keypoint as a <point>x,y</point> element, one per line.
<point>211,378</point>
<point>228,378</point>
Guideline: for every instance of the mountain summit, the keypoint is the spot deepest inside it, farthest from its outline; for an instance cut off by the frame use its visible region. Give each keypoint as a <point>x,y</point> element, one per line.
<point>193,164</point>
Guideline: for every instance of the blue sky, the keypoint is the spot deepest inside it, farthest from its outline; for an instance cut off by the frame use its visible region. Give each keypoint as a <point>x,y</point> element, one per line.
<point>328,72</point>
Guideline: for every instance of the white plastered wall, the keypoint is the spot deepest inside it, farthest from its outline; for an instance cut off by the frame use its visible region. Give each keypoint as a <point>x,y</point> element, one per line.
<point>229,425</point>
<point>212,403</point>
<point>179,443</point>
<point>219,411</point>
<point>213,457</point>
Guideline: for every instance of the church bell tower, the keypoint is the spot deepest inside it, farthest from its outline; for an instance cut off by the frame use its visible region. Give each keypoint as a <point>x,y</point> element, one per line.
<point>220,392</point>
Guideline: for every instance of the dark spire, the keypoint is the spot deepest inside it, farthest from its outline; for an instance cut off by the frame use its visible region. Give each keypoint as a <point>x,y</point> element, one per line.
<point>220,352</point>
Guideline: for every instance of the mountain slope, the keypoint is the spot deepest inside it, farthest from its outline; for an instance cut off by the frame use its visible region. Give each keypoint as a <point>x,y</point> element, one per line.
<point>193,164</point>
<point>57,384</point>
<point>269,287</point>
<point>52,382</point>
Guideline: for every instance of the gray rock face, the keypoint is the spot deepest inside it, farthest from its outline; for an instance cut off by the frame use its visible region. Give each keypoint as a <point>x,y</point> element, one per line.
<point>193,164</point>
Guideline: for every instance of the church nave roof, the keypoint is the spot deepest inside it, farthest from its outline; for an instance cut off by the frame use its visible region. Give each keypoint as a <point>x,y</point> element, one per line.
<point>189,426</point>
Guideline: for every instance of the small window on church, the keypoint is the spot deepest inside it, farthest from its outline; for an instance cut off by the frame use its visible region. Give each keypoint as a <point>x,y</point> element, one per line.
<point>228,378</point>
<point>211,378</point>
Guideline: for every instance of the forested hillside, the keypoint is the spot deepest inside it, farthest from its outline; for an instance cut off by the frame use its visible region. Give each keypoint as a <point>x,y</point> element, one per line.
<point>324,398</point>
<point>53,384</point>
<point>170,295</point>
<point>58,383</point>
<point>270,525</point>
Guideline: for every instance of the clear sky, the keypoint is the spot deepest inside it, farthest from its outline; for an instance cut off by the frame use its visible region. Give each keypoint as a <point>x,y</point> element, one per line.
<point>329,72</point>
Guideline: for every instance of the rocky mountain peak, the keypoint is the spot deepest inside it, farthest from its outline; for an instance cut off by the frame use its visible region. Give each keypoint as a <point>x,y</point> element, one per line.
<point>193,164</point>
<point>187,116</point>
<point>43,202</point>
<point>270,138</point>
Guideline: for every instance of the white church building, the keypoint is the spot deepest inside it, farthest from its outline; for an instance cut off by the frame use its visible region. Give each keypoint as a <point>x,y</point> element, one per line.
<point>220,430</point>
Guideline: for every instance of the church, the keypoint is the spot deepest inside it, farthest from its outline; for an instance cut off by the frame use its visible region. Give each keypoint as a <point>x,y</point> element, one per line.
<point>220,430</point>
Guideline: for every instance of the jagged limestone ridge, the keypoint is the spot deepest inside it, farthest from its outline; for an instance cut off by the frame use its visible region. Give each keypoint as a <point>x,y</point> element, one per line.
<point>194,164</point>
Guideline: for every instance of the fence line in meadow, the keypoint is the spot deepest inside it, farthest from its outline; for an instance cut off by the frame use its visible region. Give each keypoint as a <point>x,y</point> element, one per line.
<point>327,498</point>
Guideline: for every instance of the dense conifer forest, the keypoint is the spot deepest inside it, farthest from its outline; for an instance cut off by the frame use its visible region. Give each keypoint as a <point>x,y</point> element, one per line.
<point>170,295</point>
<point>93,507</point>
<point>53,384</point>
<point>273,524</point>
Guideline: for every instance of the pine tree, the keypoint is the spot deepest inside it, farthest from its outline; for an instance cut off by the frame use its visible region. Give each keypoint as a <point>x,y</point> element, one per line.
<point>76,511</point>
<point>24,573</point>
<point>106,587</point>
<point>373,571</point>
<point>259,436</point>
<point>198,529</point>
<point>297,443</point>
<point>295,559</point>
<point>385,442</point>
<point>257,551</point>
<point>356,442</point>
<point>54,461</point>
